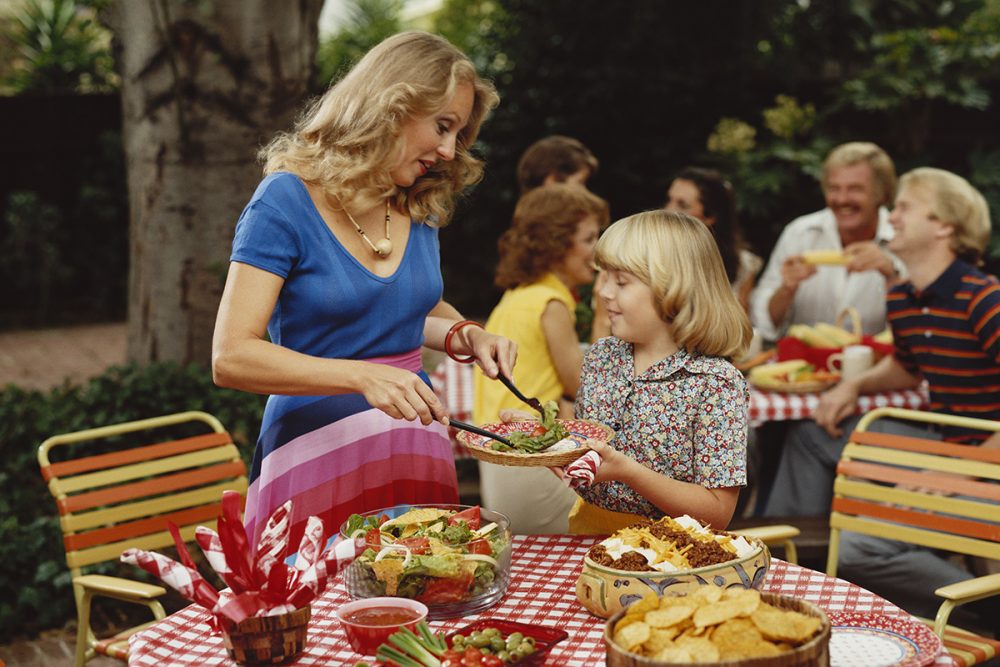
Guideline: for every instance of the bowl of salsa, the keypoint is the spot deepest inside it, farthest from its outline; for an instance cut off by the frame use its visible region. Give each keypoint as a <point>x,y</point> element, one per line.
<point>369,622</point>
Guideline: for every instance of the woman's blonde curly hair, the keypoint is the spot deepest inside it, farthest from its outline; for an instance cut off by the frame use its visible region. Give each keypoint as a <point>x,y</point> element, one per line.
<point>347,141</point>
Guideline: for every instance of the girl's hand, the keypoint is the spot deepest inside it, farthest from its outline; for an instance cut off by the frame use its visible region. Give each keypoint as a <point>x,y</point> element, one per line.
<point>614,465</point>
<point>401,394</point>
<point>493,353</point>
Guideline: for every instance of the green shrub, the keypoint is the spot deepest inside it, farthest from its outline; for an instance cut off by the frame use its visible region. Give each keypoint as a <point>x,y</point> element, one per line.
<point>34,582</point>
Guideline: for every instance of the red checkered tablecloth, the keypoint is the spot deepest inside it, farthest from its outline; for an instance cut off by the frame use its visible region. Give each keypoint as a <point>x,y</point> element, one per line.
<point>769,406</point>
<point>453,385</point>
<point>542,591</point>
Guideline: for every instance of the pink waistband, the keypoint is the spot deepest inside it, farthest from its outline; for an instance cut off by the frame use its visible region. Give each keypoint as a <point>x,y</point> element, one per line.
<point>410,361</point>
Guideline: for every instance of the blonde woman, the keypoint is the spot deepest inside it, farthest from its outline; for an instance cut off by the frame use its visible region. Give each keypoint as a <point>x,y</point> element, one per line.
<point>335,284</point>
<point>547,254</point>
<point>664,378</point>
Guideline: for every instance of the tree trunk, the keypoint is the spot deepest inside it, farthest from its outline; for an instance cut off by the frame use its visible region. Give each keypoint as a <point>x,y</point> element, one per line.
<point>204,84</point>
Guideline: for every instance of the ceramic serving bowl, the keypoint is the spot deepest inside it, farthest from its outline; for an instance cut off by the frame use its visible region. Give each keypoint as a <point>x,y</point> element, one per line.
<point>604,591</point>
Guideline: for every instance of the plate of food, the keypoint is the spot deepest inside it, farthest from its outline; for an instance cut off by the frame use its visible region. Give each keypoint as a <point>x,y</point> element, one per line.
<point>549,442</point>
<point>526,644</point>
<point>794,376</point>
<point>877,639</point>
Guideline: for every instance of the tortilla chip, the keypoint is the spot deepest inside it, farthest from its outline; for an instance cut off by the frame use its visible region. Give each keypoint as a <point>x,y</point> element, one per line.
<point>785,625</point>
<point>388,570</point>
<point>633,636</point>
<point>419,515</point>
<point>665,618</point>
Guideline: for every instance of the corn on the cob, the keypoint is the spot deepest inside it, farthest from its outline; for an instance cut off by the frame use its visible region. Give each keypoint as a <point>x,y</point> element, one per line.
<point>811,336</point>
<point>884,336</point>
<point>841,336</point>
<point>779,368</point>
<point>829,257</point>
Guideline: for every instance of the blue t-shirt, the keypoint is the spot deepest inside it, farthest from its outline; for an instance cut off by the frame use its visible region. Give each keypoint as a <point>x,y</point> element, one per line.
<point>330,305</point>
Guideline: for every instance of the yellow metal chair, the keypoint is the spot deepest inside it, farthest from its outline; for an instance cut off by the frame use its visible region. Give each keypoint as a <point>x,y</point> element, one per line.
<point>776,535</point>
<point>900,488</point>
<point>122,498</point>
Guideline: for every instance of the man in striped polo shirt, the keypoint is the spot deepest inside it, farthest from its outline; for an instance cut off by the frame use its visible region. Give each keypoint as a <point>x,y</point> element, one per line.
<point>946,327</point>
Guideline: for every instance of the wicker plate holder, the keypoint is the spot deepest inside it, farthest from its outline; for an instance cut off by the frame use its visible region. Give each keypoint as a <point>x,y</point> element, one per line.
<point>549,460</point>
<point>268,640</point>
<point>816,651</point>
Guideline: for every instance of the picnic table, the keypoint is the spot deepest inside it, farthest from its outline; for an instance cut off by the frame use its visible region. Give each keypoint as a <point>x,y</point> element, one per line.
<point>542,591</point>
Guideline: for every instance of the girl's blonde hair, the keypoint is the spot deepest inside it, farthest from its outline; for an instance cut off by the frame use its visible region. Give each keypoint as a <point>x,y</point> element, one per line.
<point>956,202</point>
<point>347,141</point>
<point>677,257</point>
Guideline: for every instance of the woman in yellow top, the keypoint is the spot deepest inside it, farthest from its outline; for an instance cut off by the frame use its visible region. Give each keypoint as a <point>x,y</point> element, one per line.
<point>546,254</point>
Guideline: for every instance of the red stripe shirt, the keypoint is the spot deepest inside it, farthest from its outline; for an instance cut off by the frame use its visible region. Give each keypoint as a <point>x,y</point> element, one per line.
<point>949,334</point>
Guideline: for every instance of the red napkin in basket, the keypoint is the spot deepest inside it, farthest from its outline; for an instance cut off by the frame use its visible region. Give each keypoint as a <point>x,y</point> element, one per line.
<point>261,584</point>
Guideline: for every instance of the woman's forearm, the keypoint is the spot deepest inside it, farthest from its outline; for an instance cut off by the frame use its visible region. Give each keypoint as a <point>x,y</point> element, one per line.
<point>262,367</point>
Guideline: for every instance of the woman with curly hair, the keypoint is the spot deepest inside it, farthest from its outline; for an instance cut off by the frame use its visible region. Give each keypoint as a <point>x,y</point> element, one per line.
<point>547,253</point>
<point>335,284</point>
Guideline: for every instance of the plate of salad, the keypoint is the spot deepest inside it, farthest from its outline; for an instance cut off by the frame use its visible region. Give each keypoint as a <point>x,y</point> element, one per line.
<point>546,442</point>
<point>453,558</point>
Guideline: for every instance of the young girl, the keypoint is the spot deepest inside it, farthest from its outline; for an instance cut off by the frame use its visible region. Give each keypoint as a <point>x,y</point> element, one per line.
<point>547,253</point>
<point>663,380</point>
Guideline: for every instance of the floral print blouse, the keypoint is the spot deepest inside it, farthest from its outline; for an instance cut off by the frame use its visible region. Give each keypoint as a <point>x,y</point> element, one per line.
<point>684,417</point>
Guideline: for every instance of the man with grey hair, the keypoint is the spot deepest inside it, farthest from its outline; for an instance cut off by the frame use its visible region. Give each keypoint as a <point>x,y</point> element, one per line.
<point>859,180</point>
<point>946,328</point>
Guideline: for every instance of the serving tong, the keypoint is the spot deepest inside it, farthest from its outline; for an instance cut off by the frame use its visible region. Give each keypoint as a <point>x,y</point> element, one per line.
<point>533,402</point>
<point>479,431</point>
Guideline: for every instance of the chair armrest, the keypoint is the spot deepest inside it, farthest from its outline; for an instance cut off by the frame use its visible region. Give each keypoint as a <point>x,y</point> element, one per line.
<point>117,587</point>
<point>770,534</point>
<point>971,589</point>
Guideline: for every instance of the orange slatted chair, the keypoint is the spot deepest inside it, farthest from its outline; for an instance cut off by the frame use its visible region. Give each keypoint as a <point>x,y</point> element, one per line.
<point>123,496</point>
<point>866,499</point>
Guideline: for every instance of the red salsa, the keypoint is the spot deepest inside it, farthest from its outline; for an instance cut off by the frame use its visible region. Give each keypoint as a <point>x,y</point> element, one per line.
<point>378,616</point>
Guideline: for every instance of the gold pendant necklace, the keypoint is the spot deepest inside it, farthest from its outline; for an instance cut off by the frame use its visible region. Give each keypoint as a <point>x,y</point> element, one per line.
<point>384,246</point>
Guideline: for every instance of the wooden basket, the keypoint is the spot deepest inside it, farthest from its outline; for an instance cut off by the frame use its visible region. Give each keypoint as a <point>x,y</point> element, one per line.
<point>816,651</point>
<point>268,640</point>
<point>579,431</point>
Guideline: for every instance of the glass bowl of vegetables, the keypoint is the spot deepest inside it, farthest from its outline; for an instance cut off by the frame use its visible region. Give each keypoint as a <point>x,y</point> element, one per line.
<point>453,558</point>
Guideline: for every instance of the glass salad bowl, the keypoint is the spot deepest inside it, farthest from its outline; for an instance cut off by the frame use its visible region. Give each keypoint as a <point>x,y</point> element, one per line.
<point>453,558</point>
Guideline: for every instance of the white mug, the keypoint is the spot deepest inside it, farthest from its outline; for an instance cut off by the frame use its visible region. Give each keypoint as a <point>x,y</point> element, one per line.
<point>853,361</point>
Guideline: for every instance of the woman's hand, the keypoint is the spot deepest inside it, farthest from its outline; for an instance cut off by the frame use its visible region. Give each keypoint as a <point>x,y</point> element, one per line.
<point>400,394</point>
<point>493,353</point>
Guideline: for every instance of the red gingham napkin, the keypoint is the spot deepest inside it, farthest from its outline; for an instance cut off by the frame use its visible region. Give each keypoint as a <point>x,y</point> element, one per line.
<point>581,473</point>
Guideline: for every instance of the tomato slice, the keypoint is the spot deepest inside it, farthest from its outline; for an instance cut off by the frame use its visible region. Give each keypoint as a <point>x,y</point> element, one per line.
<point>373,539</point>
<point>416,545</point>
<point>480,546</point>
<point>469,516</point>
<point>445,590</point>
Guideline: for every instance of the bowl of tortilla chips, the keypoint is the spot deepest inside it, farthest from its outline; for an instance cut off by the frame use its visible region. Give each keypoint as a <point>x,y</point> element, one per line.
<point>712,625</point>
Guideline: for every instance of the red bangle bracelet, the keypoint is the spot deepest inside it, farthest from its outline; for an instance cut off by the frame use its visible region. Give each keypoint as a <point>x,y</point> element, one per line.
<point>455,328</point>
